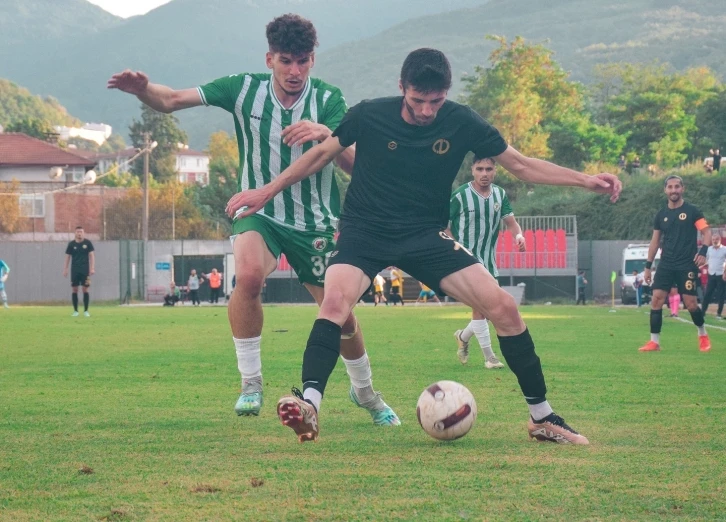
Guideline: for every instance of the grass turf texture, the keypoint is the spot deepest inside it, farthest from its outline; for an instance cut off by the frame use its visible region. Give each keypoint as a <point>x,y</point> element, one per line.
<point>129,415</point>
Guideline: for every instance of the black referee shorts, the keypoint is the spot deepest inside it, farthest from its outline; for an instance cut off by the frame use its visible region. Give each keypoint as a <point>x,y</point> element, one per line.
<point>429,255</point>
<point>685,280</point>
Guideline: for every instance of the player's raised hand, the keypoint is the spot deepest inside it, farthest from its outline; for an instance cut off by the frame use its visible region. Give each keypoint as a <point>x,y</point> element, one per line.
<point>132,82</point>
<point>304,131</point>
<point>247,202</point>
<point>606,183</point>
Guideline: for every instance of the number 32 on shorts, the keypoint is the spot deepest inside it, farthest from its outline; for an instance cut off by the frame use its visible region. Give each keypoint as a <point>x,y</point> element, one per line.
<point>319,264</point>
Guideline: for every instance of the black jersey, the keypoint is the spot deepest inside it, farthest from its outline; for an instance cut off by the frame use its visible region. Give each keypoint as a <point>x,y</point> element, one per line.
<point>679,236</point>
<point>403,173</point>
<point>79,255</point>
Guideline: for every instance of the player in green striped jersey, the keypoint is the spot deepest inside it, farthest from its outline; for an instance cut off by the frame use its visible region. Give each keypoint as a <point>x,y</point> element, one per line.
<point>477,210</point>
<point>277,118</point>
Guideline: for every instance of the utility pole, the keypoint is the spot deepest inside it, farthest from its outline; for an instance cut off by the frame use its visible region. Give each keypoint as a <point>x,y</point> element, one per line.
<point>145,213</point>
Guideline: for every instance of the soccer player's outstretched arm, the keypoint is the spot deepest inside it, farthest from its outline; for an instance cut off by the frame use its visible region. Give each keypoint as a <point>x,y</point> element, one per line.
<point>159,97</point>
<point>542,172</point>
<point>308,164</point>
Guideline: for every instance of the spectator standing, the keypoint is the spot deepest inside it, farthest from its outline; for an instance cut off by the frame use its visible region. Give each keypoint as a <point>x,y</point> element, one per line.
<point>581,286</point>
<point>193,286</point>
<point>215,285</point>
<point>622,164</point>
<point>716,155</point>
<point>716,259</point>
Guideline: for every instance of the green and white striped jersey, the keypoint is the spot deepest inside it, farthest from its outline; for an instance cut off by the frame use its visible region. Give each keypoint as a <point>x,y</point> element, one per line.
<point>259,118</point>
<point>475,221</point>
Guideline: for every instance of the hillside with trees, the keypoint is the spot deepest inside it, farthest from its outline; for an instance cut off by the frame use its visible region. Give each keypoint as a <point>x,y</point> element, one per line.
<point>363,43</point>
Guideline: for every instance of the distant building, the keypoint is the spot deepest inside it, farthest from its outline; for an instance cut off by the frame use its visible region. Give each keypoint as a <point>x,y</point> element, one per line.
<point>191,166</point>
<point>98,132</point>
<point>43,170</point>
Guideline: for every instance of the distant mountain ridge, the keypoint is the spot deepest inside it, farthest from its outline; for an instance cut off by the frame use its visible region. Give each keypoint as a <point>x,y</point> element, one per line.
<point>363,42</point>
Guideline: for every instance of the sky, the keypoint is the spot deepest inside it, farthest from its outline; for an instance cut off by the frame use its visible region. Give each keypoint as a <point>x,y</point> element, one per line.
<point>126,8</point>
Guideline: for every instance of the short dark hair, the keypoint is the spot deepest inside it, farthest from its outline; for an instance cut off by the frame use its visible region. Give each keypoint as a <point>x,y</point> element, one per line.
<point>79,227</point>
<point>478,158</point>
<point>293,34</point>
<point>673,176</point>
<point>426,70</point>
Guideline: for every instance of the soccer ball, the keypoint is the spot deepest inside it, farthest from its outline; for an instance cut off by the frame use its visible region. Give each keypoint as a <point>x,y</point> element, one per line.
<point>446,410</point>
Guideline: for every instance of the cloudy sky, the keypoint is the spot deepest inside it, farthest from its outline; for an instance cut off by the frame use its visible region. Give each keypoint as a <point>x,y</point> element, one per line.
<point>126,8</point>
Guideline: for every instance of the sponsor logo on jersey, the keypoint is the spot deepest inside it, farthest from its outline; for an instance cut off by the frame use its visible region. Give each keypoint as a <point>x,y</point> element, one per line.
<point>665,219</point>
<point>392,145</point>
<point>682,216</point>
<point>84,246</point>
<point>441,146</point>
<point>319,243</point>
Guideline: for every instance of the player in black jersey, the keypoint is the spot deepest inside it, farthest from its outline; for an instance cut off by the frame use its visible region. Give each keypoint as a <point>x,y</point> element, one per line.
<point>675,230</point>
<point>414,145</point>
<point>82,261</point>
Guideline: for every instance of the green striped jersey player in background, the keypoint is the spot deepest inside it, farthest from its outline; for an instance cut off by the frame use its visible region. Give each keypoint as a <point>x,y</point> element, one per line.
<point>277,117</point>
<point>477,210</point>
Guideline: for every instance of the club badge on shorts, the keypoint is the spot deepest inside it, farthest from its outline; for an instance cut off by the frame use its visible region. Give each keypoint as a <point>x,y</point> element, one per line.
<point>319,243</point>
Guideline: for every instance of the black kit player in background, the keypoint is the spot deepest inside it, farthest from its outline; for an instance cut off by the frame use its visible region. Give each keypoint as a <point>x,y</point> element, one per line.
<point>82,261</point>
<point>414,145</point>
<point>676,228</point>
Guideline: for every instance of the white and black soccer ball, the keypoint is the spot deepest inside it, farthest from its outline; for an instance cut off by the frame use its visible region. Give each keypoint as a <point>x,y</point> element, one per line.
<point>446,410</point>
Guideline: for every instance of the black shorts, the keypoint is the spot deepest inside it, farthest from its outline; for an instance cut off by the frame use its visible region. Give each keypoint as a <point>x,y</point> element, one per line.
<point>395,290</point>
<point>80,279</point>
<point>429,255</point>
<point>685,280</point>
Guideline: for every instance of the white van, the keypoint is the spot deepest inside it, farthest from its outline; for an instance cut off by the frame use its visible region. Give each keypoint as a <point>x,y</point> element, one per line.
<point>634,257</point>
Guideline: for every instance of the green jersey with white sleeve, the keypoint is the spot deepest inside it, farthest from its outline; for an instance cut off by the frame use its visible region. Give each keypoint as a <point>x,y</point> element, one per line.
<point>313,204</point>
<point>475,221</point>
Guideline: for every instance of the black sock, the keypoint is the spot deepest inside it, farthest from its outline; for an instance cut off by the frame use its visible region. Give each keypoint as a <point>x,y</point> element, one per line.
<point>656,321</point>
<point>518,351</point>
<point>697,317</point>
<point>321,354</point>
<point>74,300</point>
<point>86,298</point>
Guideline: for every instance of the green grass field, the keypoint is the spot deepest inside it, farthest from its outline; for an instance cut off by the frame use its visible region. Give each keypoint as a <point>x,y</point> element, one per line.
<point>129,415</point>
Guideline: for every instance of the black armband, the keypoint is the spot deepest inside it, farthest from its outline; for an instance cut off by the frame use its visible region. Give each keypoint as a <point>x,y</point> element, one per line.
<point>649,264</point>
<point>702,251</point>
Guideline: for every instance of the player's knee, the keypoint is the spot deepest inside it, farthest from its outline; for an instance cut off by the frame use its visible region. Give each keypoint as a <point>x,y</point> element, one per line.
<point>335,307</point>
<point>249,283</point>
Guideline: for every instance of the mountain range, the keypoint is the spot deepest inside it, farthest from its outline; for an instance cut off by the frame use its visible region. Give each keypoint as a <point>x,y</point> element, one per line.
<point>69,48</point>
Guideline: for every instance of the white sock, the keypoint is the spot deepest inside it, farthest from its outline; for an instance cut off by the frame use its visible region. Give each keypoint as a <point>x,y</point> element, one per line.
<point>467,333</point>
<point>702,329</point>
<point>481,330</point>
<point>4,296</point>
<point>248,357</point>
<point>655,338</point>
<point>359,371</point>
<point>314,396</point>
<point>540,411</point>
